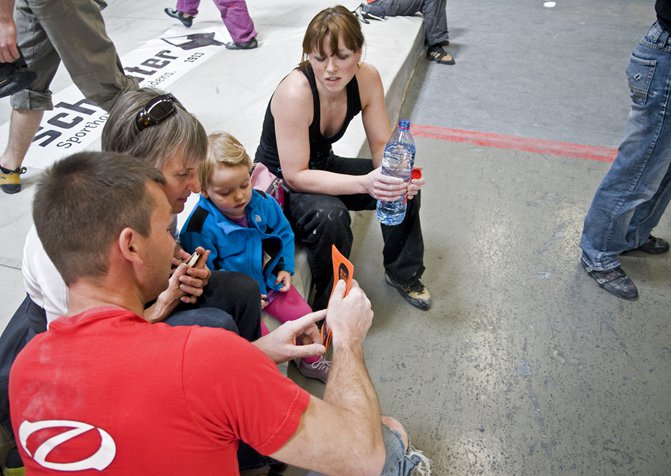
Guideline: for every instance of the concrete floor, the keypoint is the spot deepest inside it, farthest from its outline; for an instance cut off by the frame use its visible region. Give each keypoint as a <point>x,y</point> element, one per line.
<point>523,366</point>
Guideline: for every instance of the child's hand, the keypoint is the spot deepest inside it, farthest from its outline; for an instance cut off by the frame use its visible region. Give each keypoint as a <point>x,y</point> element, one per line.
<point>264,300</point>
<point>284,277</point>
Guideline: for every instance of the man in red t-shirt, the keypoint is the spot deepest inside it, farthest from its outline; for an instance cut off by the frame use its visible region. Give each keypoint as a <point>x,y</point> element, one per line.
<point>104,390</point>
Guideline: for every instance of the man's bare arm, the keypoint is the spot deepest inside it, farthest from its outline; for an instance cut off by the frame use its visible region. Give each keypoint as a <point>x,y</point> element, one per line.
<point>341,434</point>
<point>8,50</point>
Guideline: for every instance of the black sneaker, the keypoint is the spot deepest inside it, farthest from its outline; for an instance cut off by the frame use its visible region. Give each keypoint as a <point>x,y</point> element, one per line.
<point>245,45</point>
<point>615,281</point>
<point>186,20</point>
<point>654,246</point>
<point>15,77</point>
<point>415,293</point>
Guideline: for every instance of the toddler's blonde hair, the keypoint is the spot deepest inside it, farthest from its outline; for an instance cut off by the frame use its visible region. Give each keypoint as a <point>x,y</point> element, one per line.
<point>223,149</point>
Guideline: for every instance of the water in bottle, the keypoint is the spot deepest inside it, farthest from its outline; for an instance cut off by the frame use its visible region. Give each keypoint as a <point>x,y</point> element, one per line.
<point>398,160</point>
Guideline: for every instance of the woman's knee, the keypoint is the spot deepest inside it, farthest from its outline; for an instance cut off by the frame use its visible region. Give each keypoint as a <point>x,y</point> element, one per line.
<point>328,219</point>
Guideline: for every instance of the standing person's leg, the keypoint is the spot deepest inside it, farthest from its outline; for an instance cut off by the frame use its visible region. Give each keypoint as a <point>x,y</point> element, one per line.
<point>239,24</point>
<point>76,30</point>
<point>29,104</point>
<point>648,215</point>
<point>236,294</point>
<point>635,186</point>
<point>185,11</point>
<point>189,7</point>
<point>23,124</point>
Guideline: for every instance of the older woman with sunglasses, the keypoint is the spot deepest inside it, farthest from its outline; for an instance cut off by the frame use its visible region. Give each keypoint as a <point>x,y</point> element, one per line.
<point>155,127</point>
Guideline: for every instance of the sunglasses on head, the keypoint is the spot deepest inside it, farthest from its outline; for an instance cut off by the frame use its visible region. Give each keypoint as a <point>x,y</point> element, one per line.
<point>156,111</point>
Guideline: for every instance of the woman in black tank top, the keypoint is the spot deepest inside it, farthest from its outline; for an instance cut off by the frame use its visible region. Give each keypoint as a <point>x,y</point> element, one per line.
<point>309,111</point>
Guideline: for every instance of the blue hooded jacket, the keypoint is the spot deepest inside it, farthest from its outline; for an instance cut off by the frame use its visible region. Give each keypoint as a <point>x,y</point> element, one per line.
<point>242,249</point>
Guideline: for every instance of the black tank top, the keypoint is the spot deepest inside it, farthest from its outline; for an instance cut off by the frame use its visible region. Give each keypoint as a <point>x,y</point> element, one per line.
<point>320,146</point>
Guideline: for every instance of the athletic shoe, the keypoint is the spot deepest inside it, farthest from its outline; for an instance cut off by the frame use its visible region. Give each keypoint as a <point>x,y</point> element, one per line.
<point>654,246</point>
<point>318,370</point>
<point>415,293</point>
<point>245,45</point>
<point>187,21</point>
<point>615,281</point>
<point>10,180</point>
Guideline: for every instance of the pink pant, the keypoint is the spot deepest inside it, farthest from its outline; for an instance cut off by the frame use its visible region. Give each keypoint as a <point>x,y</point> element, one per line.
<point>234,13</point>
<point>288,306</point>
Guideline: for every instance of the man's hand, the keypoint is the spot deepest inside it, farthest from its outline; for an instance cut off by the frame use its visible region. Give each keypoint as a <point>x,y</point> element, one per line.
<point>168,299</point>
<point>8,50</point>
<point>349,317</point>
<point>282,344</point>
<point>185,285</point>
<point>196,278</point>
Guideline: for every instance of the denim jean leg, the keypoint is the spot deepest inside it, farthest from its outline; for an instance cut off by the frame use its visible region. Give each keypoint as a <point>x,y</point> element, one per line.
<point>433,11</point>
<point>633,191</point>
<point>398,462</point>
<point>648,215</point>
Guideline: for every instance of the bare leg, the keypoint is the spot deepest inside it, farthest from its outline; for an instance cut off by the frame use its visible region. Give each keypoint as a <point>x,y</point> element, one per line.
<point>22,127</point>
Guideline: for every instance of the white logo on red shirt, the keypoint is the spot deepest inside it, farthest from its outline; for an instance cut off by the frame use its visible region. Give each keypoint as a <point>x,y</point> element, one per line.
<point>101,459</point>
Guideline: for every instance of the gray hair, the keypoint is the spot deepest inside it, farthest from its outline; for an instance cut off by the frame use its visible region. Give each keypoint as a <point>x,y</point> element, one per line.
<point>179,133</point>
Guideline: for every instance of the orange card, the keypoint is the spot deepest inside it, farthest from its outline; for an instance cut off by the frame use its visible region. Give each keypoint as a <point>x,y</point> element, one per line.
<point>342,269</point>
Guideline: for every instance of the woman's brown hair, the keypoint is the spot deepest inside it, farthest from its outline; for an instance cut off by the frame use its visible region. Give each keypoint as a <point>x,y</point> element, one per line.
<point>330,25</point>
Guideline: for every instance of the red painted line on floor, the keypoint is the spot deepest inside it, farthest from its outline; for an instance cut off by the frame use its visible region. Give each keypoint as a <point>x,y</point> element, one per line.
<point>524,144</point>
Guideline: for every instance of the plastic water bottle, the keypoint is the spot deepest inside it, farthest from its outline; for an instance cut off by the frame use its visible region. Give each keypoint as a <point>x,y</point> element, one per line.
<point>398,160</point>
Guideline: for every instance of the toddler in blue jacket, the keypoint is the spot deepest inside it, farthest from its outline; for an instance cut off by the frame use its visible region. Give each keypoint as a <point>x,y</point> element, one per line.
<point>246,231</point>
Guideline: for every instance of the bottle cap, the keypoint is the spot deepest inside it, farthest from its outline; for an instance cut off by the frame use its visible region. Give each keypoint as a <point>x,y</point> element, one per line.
<point>416,173</point>
<point>404,124</point>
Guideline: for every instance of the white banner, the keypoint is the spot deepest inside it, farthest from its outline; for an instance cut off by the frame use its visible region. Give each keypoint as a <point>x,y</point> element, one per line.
<point>75,122</point>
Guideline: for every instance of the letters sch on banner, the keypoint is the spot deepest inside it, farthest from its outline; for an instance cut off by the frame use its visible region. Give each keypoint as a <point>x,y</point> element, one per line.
<point>69,119</point>
<point>75,122</point>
